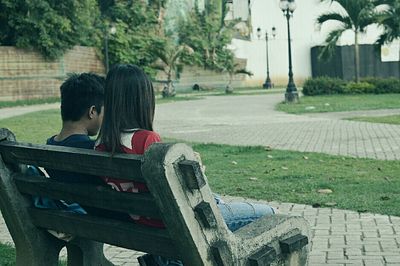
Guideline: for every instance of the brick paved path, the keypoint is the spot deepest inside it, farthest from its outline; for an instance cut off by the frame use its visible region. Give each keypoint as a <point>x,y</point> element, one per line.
<point>252,120</point>
<point>340,237</point>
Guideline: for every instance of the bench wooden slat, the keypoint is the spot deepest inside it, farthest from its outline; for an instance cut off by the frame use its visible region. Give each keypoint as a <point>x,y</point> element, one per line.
<point>125,166</point>
<point>89,195</point>
<point>122,234</point>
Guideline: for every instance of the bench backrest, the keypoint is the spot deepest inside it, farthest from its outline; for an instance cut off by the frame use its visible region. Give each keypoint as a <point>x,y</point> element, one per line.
<point>179,195</point>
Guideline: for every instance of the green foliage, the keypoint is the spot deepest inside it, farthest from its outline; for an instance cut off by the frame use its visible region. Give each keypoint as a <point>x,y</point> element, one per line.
<point>327,86</point>
<point>145,32</point>
<point>323,86</point>
<point>49,26</point>
<point>389,20</point>
<point>137,34</point>
<point>209,37</point>
<point>358,88</point>
<point>384,85</point>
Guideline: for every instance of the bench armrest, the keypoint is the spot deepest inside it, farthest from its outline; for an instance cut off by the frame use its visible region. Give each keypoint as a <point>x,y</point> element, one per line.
<point>271,238</point>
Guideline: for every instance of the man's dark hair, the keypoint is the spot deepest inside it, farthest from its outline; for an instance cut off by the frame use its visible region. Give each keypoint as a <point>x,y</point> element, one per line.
<point>78,93</point>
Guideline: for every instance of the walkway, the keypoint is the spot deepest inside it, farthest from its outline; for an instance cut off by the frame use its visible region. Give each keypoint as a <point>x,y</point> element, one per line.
<point>252,120</point>
<point>340,237</point>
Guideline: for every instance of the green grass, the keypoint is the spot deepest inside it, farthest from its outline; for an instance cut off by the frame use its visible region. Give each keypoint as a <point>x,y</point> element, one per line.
<point>390,119</point>
<point>34,127</point>
<point>4,104</point>
<point>7,256</point>
<point>287,176</point>
<point>338,103</point>
<point>363,185</point>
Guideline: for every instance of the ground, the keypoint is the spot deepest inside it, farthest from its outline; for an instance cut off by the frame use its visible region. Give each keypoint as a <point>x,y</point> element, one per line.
<point>340,237</point>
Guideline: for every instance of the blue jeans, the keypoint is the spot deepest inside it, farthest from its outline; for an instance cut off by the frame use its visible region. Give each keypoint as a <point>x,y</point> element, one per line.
<point>239,214</point>
<point>235,214</point>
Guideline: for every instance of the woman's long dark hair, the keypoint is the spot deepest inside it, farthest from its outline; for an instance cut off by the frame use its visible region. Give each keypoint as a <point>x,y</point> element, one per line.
<point>129,103</point>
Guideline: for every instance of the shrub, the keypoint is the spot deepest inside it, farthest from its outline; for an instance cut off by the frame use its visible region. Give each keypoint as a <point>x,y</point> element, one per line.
<point>323,86</point>
<point>358,88</point>
<point>327,85</point>
<point>388,85</point>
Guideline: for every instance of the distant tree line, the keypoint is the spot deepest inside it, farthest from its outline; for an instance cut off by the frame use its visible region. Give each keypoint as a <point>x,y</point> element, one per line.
<point>141,36</point>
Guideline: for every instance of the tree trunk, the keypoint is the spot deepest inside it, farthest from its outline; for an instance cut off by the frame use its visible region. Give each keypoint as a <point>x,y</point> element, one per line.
<point>356,57</point>
<point>229,88</point>
<point>399,61</point>
<point>169,90</point>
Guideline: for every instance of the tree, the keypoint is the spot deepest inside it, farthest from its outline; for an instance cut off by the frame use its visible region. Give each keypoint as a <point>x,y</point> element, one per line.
<point>49,26</point>
<point>137,36</point>
<point>389,20</point>
<point>170,62</point>
<point>209,36</point>
<point>356,15</point>
<point>233,68</point>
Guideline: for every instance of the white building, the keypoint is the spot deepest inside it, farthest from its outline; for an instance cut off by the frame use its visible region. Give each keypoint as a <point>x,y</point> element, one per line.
<point>305,34</point>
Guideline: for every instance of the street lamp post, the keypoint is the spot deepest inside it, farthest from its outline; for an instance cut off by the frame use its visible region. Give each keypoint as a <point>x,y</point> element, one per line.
<point>109,30</point>
<point>291,95</point>
<point>268,83</point>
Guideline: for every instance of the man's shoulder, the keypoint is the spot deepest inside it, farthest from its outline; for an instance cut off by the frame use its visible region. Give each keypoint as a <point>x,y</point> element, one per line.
<point>75,141</point>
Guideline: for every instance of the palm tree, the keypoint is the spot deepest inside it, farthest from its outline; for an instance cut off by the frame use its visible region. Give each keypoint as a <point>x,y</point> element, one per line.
<point>170,62</point>
<point>356,15</point>
<point>389,19</point>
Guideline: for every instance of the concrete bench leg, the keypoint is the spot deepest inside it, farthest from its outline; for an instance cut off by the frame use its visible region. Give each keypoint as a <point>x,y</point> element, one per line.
<point>38,253</point>
<point>86,253</point>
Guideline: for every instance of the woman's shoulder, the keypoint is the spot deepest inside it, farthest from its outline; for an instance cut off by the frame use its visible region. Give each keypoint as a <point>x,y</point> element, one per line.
<point>142,139</point>
<point>146,133</point>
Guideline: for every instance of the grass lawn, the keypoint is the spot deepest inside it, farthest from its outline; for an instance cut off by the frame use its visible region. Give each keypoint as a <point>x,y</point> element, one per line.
<point>7,256</point>
<point>338,103</point>
<point>390,119</point>
<point>4,104</point>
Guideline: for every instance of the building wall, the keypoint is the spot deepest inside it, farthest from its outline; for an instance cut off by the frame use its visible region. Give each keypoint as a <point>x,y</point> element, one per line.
<point>305,35</point>
<point>26,74</point>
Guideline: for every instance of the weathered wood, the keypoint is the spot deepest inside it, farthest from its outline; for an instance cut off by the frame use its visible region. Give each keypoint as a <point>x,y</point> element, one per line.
<point>125,166</point>
<point>192,174</point>
<point>122,234</point>
<point>89,195</point>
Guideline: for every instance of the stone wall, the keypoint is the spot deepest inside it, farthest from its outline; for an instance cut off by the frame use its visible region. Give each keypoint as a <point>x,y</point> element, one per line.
<point>26,74</point>
<point>207,79</point>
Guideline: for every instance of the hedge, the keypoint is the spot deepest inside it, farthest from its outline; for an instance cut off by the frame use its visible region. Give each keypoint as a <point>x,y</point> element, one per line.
<point>327,86</point>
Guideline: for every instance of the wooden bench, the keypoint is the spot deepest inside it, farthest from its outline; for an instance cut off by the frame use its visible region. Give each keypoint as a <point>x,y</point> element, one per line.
<point>179,194</point>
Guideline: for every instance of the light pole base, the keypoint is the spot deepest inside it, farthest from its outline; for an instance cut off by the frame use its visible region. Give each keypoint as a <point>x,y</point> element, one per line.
<point>267,84</point>
<point>291,97</point>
